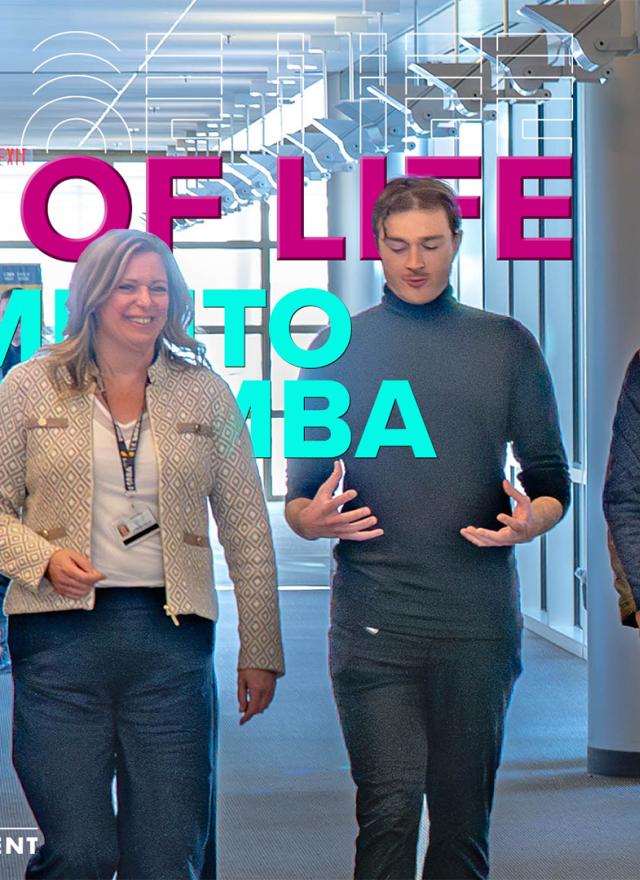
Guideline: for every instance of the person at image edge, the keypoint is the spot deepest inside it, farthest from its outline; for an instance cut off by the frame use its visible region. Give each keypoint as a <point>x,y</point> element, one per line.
<point>621,497</point>
<point>11,358</point>
<point>426,627</point>
<point>115,442</point>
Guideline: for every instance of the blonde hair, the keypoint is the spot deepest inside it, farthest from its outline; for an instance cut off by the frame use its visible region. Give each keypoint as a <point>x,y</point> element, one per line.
<point>97,273</point>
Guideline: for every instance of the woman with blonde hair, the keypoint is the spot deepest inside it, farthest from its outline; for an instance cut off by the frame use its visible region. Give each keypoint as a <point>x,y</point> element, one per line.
<point>115,443</point>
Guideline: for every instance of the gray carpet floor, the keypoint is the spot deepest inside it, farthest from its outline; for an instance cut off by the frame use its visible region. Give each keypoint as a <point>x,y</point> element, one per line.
<point>286,797</point>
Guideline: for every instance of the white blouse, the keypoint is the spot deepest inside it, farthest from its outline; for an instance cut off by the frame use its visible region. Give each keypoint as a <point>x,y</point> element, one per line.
<point>140,564</point>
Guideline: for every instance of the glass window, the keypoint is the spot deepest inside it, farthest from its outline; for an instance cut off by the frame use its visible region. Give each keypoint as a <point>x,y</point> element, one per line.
<point>315,211</point>
<point>288,275</point>
<point>12,183</point>
<point>76,208</point>
<point>278,462</point>
<point>281,370</point>
<point>242,225</point>
<point>217,269</point>
<point>135,175</point>
<point>55,274</point>
<point>214,343</point>
<point>469,262</point>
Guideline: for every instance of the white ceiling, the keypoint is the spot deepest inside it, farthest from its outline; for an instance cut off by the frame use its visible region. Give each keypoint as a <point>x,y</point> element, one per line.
<point>136,65</point>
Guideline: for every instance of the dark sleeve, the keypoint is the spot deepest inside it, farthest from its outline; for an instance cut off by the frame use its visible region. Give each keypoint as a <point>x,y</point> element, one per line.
<point>534,428</point>
<point>306,475</point>
<point>621,499</point>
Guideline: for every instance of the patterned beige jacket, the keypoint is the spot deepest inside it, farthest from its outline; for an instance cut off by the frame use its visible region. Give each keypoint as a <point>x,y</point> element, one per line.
<point>203,452</point>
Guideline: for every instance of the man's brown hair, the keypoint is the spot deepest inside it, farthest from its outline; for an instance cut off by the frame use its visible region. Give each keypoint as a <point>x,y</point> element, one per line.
<point>415,194</point>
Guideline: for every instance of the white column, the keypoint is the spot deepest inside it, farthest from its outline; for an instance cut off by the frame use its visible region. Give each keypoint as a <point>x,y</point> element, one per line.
<point>609,257</point>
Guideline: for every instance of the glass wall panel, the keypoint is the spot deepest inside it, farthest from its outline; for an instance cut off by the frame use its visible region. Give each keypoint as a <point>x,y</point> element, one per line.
<point>470,254</point>
<point>135,175</point>
<point>563,348</point>
<point>55,275</point>
<point>241,225</point>
<point>529,568</point>
<point>288,275</point>
<point>278,463</point>
<point>281,370</point>
<point>559,575</point>
<point>220,269</point>
<point>525,284</point>
<point>76,208</point>
<point>558,341</point>
<point>12,183</point>
<point>496,272</point>
<point>214,344</point>
<point>315,211</point>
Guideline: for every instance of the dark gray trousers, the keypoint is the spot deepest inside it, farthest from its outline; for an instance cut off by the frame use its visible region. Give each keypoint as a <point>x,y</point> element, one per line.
<point>422,716</point>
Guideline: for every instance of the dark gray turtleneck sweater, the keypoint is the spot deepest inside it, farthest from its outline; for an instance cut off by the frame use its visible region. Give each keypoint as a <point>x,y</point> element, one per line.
<point>480,381</point>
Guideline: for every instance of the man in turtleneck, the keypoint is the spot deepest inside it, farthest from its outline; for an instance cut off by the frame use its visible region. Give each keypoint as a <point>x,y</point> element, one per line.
<point>426,627</point>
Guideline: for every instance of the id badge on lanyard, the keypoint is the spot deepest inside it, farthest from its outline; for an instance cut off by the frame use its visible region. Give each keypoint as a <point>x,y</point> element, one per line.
<point>138,523</point>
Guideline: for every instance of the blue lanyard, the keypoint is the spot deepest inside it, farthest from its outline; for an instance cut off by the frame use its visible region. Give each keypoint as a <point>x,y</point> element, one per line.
<point>127,453</point>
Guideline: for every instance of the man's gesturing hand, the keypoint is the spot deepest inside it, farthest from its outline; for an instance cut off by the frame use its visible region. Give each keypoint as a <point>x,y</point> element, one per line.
<point>72,574</point>
<point>518,528</point>
<point>320,516</point>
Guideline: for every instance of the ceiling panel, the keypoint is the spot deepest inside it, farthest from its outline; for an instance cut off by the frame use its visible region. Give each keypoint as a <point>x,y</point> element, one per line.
<point>136,74</point>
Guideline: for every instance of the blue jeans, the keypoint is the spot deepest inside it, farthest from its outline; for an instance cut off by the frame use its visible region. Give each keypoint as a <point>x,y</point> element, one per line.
<point>117,690</point>
<point>422,716</point>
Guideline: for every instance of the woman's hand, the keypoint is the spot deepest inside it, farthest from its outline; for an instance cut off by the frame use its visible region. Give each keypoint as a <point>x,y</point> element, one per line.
<point>255,691</point>
<point>71,574</point>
